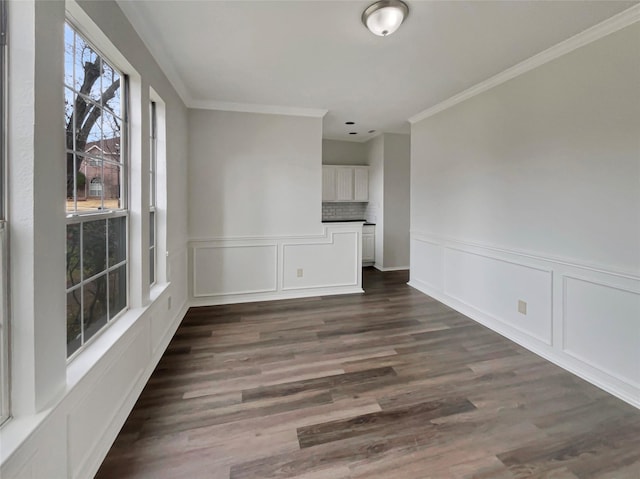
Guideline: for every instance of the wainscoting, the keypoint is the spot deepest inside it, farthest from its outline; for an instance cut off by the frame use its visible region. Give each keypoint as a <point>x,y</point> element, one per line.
<point>240,269</point>
<point>76,433</point>
<point>584,319</point>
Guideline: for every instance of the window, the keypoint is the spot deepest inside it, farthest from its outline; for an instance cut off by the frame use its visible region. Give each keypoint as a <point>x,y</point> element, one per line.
<point>97,223</point>
<point>95,187</point>
<point>4,299</point>
<point>152,195</point>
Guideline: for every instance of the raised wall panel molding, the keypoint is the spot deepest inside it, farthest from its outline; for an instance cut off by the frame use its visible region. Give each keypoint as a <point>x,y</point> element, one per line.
<point>546,315</point>
<point>82,452</point>
<point>111,429</point>
<point>626,329</point>
<point>249,255</point>
<point>440,240</point>
<point>603,356</point>
<point>347,259</point>
<point>330,265</point>
<point>596,32</point>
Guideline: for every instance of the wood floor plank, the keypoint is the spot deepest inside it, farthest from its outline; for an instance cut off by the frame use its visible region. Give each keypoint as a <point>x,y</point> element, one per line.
<point>390,384</point>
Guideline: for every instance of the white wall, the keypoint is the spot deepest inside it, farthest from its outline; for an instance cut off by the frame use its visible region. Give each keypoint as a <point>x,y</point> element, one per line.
<point>336,152</point>
<point>375,207</point>
<point>388,157</point>
<point>255,199</point>
<point>531,191</point>
<point>253,174</point>
<point>66,417</point>
<point>397,156</point>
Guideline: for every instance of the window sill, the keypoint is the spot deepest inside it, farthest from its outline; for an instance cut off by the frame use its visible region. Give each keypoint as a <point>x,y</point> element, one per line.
<point>82,364</point>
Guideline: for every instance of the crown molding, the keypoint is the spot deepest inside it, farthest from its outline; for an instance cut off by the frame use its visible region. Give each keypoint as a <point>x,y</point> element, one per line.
<point>596,32</point>
<point>257,108</point>
<point>133,12</point>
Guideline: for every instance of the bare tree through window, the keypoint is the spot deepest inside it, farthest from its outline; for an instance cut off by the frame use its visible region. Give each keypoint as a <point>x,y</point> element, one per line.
<point>96,275</point>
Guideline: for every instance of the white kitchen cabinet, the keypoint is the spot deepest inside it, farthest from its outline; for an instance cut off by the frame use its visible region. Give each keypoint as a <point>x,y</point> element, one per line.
<point>368,244</point>
<point>345,183</point>
<point>361,183</point>
<point>328,183</point>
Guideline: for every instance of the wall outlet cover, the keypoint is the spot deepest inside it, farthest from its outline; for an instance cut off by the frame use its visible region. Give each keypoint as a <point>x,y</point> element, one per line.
<point>522,307</point>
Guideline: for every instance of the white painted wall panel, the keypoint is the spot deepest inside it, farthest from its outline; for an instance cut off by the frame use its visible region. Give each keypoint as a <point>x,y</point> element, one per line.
<point>602,327</point>
<point>104,400</point>
<point>426,263</point>
<point>494,286</point>
<point>234,269</point>
<point>341,253</point>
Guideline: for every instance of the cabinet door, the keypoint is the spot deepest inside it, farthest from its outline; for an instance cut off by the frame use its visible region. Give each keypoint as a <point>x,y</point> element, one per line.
<point>344,184</point>
<point>361,184</point>
<point>328,183</point>
<point>368,248</point>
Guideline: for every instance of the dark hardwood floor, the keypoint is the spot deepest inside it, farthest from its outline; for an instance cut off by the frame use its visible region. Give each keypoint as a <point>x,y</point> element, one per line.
<point>389,384</point>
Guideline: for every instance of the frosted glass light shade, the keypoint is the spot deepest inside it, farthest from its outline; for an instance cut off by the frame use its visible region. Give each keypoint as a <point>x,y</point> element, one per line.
<point>385,17</point>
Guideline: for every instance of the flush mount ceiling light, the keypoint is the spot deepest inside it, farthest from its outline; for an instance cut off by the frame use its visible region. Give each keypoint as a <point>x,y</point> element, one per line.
<point>385,17</point>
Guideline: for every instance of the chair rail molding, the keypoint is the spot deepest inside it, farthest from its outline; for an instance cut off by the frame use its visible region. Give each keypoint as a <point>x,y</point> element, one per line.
<point>234,269</point>
<point>582,317</point>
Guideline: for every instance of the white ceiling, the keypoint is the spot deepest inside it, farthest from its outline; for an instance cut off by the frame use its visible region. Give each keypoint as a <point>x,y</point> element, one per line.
<point>306,56</point>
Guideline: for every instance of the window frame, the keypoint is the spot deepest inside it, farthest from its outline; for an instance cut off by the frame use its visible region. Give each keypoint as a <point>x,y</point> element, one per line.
<point>5,381</point>
<point>84,217</point>
<point>153,214</point>
<point>124,163</point>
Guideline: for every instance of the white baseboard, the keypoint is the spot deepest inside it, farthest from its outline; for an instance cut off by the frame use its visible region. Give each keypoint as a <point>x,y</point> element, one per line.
<point>390,268</point>
<point>238,269</point>
<point>291,294</point>
<point>612,385</point>
<point>112,430</point>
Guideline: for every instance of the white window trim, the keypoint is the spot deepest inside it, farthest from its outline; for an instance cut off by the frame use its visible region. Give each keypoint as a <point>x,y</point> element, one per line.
<point>81,217</point>
<point>4,243</point>
<point>153,185</point>
<point>160,206</point>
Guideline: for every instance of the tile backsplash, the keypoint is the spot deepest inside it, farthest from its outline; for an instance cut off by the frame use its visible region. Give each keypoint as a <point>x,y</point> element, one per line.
<point>343,211</point>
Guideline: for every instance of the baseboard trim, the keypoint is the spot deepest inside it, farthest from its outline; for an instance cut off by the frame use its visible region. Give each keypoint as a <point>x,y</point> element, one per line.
<point>612,385</point>
<point>390,268</point>
<point>113,429</point>
<point>285,294</point>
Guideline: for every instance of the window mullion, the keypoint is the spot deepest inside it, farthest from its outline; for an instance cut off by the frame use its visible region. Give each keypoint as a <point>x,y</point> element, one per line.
<point>98,134</point>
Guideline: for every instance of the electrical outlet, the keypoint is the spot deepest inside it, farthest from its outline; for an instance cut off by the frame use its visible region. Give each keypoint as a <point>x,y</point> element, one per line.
<point>169,302</point>
<point>522,307</point>
<point>300,272</point>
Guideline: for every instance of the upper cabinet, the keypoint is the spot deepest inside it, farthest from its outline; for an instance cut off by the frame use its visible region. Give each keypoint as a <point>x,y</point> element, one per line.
<point>361,183</point>
<point>328,184</point>
<point>345,183</point>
